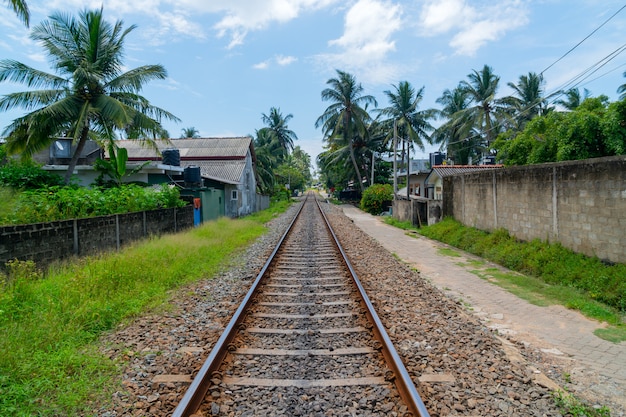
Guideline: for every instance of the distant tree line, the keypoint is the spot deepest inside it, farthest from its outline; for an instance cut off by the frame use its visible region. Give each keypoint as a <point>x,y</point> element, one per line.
<point>529,126</point>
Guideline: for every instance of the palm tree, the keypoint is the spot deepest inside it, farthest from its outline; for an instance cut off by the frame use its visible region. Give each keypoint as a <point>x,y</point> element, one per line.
<point>266,161</point>
<point>189,132</point>
<point>573,98</point>
<point>346,117</point>
<point>277,125</point>
<point>527,100</point>
<point>21,10</point>
<point>487,110</point>
<point>411,124</point>
<point>90,97</point>
<point>456,135</point>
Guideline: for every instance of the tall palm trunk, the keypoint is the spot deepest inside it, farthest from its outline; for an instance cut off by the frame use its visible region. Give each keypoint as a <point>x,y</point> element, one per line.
<point>348,131</point>
<point>79,150</point>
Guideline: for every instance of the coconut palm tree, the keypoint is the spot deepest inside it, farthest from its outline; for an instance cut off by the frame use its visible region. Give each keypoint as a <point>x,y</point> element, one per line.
<point>277,125</point>
<point>189,133</point>
<point>347,115</point>
<point>412,124</point>
<point>573,98</point>
<point>486,111</point>
<point>528,99</point>
<point>21,10</point>
<point>456,135</point>
<point>90,96</point>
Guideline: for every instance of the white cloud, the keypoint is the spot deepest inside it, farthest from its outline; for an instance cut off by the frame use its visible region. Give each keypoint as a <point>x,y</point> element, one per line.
<point>243,16</point>
<point>472,25</point>
<point>367,40</point>
<point>280,60</point>
<point>285,60</point>
<point>261,65</point>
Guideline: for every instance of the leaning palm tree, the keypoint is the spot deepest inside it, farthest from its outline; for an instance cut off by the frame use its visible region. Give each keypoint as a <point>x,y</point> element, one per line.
<point>487,110</point>
<point>277,125</point>
<point>346,117</point>
<point>90,96</point>
<point>21,10</point>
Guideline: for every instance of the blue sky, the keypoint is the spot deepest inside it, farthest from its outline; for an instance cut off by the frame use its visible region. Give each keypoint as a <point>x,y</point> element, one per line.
<point>230,61</point>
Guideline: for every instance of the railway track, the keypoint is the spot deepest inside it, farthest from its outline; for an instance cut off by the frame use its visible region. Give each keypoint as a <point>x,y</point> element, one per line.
<point>305,340</point>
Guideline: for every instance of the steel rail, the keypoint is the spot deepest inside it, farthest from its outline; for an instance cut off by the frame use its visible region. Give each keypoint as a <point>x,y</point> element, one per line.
<point>194,396</point>
<point>403,381</point>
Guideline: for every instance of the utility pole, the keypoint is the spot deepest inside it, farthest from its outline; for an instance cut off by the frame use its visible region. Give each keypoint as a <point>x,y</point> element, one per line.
<point>395,165</point>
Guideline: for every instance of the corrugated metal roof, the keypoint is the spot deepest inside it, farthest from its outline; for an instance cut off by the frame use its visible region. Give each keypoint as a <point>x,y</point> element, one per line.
<point>220,159</point>
<point>200,148</point>
<point>224,171</point>
<point>447,170</point>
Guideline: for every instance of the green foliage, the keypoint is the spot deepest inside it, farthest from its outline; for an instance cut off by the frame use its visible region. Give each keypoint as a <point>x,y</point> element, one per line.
<point>26,175</point>
<point>553,263</point>
<point>115,167</point>
<point>571,406</point>
<point>50,324</point>
<point>61,203</point>
<point>594,129</point>
<point>376,197</point>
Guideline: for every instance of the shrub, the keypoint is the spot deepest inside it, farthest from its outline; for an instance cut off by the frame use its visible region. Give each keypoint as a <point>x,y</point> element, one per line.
<point>376,198</point>
<point>27,176</point>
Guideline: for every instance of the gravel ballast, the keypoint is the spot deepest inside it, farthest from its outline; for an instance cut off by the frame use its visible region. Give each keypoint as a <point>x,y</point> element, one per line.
<point>460,367</point>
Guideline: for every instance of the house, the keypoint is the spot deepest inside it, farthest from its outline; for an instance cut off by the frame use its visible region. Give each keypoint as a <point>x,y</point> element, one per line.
<point>434,181</point>
<point>418,171</point>
<point>219,171</point>
<point>57,157</point>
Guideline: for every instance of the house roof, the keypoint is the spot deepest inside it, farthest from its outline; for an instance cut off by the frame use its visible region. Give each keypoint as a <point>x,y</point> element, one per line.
<point>219,159</point>
<point>229,172</point>
<point>447,170</point>
<point>191,149</point>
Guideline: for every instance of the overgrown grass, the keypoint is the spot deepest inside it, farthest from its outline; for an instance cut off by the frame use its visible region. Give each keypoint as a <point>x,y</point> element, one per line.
<point>551,274</point>
<point>50,323</point>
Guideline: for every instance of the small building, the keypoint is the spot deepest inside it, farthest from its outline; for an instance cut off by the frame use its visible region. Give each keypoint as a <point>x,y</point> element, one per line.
<point>226,168</point>
<point>434,180</point>
<point>418,171</point>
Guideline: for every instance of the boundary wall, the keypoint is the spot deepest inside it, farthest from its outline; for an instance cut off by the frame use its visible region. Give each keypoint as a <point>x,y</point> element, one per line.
<point>581,204</point>
<point>46,243</point>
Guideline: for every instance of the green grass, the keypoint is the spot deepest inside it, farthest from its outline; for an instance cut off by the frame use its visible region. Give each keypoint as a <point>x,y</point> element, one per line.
<point>547,273</point>
<point>50,323</point>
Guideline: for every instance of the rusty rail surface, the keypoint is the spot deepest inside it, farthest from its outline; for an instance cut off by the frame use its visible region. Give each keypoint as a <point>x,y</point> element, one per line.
<point>195,394</point>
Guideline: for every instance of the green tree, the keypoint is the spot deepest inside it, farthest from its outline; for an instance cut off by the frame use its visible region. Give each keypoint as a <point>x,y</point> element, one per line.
<point>412,124</point>
<point>266,151</point>
<point>21,10</point>
<point>91,96</point>
<point>189,132</point>
<point>573,98</point>
<point>486,111</point>
<point>279,130</point>
<point>456,135</point>
<point>346,117</point>
<point>528,99</point>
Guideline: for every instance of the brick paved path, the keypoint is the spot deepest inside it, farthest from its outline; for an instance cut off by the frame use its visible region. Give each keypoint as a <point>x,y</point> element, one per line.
<point>559,331</point>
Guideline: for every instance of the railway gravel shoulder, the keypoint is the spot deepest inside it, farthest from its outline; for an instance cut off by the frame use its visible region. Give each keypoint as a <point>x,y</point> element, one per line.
<point>460,366</point>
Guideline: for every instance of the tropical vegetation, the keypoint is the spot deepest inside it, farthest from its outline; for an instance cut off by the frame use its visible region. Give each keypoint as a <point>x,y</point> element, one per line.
<point>51,322</point>
<point>88,97</point>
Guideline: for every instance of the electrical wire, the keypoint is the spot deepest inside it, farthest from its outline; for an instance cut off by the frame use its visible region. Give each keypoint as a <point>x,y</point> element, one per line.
<point>586,37</point>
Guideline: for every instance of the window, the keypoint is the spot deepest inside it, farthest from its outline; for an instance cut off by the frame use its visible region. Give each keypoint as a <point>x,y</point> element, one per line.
<point>234,195</point>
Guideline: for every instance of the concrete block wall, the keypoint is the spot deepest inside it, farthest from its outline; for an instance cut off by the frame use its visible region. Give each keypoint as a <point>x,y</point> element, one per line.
<point>46,243</point>
<point>581,204</point>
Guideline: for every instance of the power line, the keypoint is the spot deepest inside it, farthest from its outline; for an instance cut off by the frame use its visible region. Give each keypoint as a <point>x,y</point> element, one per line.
<point>587,37</point>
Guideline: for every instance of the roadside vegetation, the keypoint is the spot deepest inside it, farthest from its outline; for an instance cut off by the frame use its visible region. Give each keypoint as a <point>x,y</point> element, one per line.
<point>547,273</point>
<point>51,320</point>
